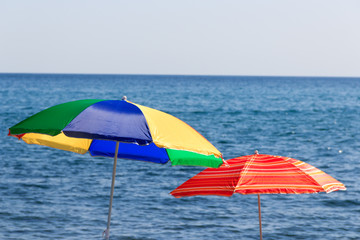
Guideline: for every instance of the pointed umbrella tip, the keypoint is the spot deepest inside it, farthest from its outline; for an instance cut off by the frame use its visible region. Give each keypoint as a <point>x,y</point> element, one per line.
<point>256,152</point>
<point>124,98</point>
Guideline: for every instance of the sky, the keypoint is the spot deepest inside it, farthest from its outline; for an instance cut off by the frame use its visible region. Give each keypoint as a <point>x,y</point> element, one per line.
<point>186,37</point>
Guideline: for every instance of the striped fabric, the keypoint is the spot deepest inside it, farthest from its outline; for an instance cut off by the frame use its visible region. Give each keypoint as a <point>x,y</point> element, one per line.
<point>259,174</point>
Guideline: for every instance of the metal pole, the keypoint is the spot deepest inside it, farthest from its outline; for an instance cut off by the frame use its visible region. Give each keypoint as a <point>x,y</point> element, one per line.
<point>259,216</point>
<point>107,230</point>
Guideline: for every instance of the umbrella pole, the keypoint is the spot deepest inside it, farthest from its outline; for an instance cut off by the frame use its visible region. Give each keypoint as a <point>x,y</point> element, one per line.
<point>259,216</point>
<point>107,230</point>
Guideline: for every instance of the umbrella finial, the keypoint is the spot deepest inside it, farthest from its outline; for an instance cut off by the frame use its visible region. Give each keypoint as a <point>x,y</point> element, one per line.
<point>256,152</point>
<point>124,98</point>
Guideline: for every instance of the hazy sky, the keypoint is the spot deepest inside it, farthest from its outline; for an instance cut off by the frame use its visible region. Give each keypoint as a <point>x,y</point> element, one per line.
<point>210,37</point>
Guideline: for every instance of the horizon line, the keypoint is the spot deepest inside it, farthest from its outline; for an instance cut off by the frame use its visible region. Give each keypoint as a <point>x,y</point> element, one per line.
<point>158,74</point>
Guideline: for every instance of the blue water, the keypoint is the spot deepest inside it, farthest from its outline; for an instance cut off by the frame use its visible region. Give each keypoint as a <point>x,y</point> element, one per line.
<point>47,193</point>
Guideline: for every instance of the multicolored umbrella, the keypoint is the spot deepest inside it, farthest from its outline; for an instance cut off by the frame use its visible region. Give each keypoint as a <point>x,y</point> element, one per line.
<point>119,129</point>
<point>259,174</point>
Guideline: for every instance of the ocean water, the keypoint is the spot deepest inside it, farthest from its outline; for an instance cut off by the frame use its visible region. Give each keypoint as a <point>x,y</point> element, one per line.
<point>47,193</point>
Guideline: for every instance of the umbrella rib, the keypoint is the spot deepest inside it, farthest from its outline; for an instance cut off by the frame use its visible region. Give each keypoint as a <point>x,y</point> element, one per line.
<point>246,169</point>
<point>305,173</point>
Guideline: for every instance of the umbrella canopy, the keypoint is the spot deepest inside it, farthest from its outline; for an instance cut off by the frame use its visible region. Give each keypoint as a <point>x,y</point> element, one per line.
<point>259,174</point>
<point>143,133</point>
<point>114,128</point>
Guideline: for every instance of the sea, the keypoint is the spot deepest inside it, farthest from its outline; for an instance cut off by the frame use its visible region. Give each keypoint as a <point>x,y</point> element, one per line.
<point>47,193</point>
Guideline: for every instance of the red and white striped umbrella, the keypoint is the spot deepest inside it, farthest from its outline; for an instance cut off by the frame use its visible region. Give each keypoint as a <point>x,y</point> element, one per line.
<point>259,174</point>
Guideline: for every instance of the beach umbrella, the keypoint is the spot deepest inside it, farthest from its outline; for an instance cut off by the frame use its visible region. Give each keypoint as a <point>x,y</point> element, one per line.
<point>259,174</point>
<point>118,129</point>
